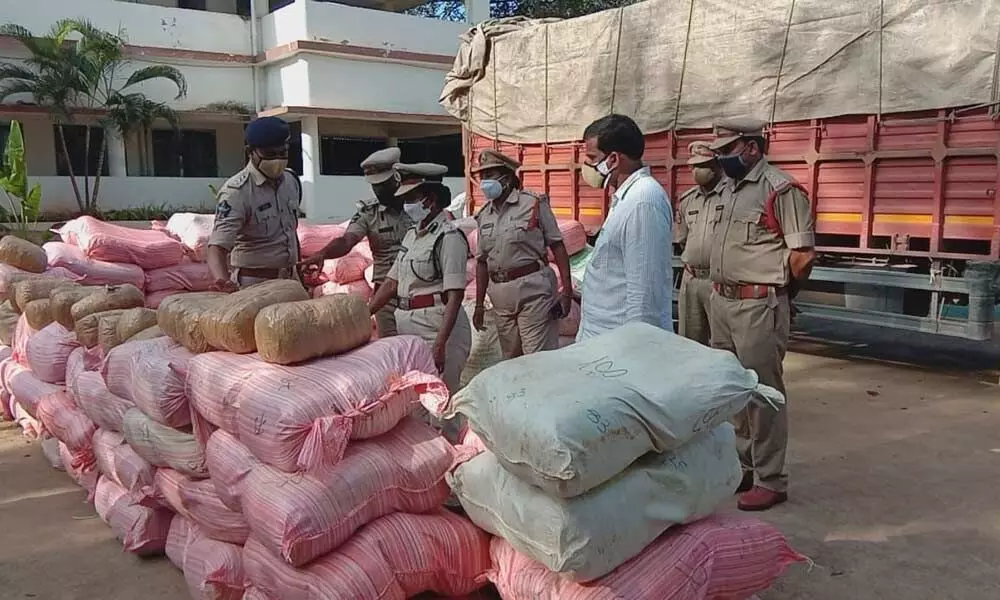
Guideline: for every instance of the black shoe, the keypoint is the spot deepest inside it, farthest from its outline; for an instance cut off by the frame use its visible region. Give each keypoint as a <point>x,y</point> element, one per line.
<point>747,483</point>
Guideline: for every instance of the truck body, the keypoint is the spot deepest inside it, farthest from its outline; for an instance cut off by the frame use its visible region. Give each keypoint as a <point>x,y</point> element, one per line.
<point>907,218</point>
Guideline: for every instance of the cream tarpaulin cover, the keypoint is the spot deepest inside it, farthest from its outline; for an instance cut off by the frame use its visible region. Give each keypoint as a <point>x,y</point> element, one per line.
<point>682,63</point>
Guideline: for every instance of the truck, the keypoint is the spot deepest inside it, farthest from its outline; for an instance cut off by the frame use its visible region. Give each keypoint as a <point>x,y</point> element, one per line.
<point>902,174</point>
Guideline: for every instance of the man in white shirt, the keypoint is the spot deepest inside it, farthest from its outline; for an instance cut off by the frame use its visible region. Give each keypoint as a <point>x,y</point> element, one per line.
<point>629,277</point>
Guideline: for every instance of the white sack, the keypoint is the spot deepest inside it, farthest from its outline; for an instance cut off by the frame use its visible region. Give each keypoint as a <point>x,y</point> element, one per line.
<point>568,420</point>
<point>590,535</point>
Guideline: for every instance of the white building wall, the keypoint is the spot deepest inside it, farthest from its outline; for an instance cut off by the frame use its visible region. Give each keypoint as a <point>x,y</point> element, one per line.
<point>213,50</point>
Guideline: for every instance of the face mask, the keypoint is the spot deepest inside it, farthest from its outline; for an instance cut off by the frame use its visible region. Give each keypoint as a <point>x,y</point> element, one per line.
<point>491,188</point>
<point>273,167</point>
<point>596,176</point>
<point>733,164</point>
<point>703,175</point>
<point>416,211</point>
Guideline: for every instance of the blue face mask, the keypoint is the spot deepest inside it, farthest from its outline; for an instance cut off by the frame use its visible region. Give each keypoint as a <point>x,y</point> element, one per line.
<point>491,188</point>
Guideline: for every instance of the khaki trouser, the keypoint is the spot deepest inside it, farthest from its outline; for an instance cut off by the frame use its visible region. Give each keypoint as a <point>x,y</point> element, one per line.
<point>425,324</point>
<point>693,305</point>
<point>385,318</point>
<point>523,310</point>
<point>757,332</point>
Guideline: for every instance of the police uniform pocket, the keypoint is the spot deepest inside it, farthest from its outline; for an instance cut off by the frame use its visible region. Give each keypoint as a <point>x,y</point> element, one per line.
<point>423,269</point>
<point>691,217</point>
<point>265,219</point>
<point>749,221</point>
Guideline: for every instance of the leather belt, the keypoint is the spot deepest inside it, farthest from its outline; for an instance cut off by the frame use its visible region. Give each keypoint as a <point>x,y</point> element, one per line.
<point>697,272</point>
<point>516,273</point>
<point>265,273</point>
<point>747,291</point>
<point>423,301</point>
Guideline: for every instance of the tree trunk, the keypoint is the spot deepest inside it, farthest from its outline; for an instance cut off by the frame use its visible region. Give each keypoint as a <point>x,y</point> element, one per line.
<point>100,168</point>
<point>86,169</point>
<point>69,166</point>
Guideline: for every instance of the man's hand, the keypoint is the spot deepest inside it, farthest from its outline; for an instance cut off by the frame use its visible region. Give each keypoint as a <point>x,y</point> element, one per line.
<point>224,285</point>
<point>477,318</point>
<point>312,263</point>
<point>439,355</point>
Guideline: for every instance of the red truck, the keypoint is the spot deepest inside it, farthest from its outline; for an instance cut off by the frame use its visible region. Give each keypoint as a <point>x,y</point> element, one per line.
<point>907,218</point>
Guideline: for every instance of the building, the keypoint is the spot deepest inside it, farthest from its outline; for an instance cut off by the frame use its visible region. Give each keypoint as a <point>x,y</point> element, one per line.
<point>351,79</point>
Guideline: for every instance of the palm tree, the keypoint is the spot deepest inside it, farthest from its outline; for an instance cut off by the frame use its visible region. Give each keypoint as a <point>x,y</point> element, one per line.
<point>89,71</point>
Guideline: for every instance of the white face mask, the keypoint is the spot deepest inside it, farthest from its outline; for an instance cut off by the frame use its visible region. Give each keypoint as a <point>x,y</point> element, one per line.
<point>416,211</point>
<point>491,188</point>
<point>596,176</point>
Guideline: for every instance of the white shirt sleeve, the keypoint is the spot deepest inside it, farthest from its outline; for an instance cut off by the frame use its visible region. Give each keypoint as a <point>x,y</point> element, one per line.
<point>648,253</point>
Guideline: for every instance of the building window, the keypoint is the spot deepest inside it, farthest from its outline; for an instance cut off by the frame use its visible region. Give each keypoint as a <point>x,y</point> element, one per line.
<point>191,4</point>
<point>187,153</point>
<point>4,132</point>
<point>443,150</point>
<point>76,143</point>
<point>343,155</point>
<point>274,5</point>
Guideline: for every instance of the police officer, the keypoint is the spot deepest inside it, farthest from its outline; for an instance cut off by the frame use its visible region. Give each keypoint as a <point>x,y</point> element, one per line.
<point>257,213</point>
<point>516,228</point>
<point>382,220</point>
<point>428,276</point>
<point>696,219</point>
<point>764,242</point>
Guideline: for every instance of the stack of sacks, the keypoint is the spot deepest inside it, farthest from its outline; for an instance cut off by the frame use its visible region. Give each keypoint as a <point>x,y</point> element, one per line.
<point>177,279</point>
<point>91,271</point>
<point>561,480</point>
<point>192,230</point>
<point>313,448</point>
<point>313,238</point>
<point>147,249</point>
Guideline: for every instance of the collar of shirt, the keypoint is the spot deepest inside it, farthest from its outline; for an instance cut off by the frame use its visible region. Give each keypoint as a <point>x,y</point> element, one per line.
<point>434,224</point>
<point>754,174</point>
<point>511,198</point>
<point>619,194</point>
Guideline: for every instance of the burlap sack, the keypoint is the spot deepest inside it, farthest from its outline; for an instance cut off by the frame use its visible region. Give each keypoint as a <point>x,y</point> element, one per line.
<point>39,313</point>
<point>134,321</point>
<point>35,288</point>
<point>179,316</point>
<point>292,332</point>
<point>22,254</point>
<point>111,297</point>
<point>230,324</point>
<point>88,328</point>
<point>64,298</point>
<point>8,322</point>
<point>147,334</point>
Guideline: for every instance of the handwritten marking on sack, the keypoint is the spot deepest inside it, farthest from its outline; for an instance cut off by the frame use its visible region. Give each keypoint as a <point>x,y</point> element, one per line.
<point>517,394</point>
<point>602,367</point>
<point>708,419</point>
<point>600,423</point>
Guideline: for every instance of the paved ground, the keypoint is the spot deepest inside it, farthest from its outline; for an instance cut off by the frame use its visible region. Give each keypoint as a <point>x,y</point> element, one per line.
<point>894,485</point>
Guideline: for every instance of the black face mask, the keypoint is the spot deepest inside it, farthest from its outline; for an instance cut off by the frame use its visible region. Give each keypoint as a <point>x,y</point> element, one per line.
<point>387,195</point>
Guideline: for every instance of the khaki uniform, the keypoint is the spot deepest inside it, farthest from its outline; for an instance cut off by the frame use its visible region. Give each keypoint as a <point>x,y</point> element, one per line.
<point>750,305</point>
<point>515,234</point>
<point>419,274</point>
<point>256,221</point>
<point>697,215</point>
<point>385,229</point>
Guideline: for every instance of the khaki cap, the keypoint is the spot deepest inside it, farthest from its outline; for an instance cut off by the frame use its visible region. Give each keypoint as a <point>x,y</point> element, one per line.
<point>378,166</point>
<point>701,153</point>
<point>728,131</point>
<point>411,176</point>
<point>491,159</point>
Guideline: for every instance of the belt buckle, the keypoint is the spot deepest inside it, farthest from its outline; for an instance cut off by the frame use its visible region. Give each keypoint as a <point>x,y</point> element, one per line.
<point>404,303</point>
<point>501,277</point>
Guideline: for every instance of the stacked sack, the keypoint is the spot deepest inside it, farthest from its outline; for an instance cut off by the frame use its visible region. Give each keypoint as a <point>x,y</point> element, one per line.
<point>588,459</point>
<point>485,350</point>
<point>319,484</point>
